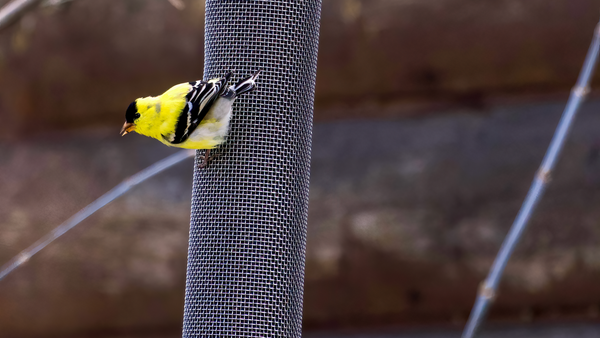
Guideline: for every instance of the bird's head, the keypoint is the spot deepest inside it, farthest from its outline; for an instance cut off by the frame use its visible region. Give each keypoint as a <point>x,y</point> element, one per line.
<point>131,116</point>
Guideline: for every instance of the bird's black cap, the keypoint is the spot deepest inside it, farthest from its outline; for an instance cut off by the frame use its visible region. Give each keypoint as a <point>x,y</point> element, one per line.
<point>131,112</point>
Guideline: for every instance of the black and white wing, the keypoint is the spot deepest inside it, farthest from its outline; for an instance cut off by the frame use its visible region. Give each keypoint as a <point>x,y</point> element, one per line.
<point>199,100</point>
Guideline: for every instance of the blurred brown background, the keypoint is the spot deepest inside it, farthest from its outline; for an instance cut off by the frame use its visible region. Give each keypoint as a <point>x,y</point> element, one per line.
<point>431,118</point>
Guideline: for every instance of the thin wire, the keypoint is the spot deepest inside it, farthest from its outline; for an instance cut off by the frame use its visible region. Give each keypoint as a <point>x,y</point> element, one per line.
<point>14,10</point>
<point>115,192</point>
<point>489,287</point>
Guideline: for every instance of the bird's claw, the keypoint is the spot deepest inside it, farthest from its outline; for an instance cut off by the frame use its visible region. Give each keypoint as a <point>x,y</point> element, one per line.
<point>206,159</point>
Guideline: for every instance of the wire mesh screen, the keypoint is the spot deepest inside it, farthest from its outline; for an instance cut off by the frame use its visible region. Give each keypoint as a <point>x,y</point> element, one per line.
<point>246,255</point>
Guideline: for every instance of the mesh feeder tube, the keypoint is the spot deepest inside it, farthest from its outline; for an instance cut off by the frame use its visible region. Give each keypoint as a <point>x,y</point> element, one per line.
<point>245,274</point>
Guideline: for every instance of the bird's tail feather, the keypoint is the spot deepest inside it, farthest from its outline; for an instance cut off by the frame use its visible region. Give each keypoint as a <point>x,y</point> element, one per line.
<point>245,85</point>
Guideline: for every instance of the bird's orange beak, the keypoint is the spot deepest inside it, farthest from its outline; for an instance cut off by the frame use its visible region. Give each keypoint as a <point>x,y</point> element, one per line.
<point>127,128</point>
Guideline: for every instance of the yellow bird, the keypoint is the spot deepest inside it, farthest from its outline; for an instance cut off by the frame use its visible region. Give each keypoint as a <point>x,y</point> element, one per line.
<point>192,115</point>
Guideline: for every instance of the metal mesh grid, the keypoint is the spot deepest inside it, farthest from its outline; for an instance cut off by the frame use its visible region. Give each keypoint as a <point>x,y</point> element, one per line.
<point>246,255</point>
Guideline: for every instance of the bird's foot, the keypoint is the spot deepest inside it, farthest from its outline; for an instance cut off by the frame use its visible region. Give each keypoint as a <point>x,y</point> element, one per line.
<point>206,159</point>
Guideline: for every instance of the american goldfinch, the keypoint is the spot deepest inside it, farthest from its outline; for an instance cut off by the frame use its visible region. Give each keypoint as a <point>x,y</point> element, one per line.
<point>192,115</point>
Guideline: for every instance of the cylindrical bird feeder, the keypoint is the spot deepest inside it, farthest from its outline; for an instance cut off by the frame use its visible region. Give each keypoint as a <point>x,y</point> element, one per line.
<point>245,274</point>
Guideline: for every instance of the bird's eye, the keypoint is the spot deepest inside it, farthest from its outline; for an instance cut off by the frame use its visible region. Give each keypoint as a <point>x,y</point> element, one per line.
<point>137,115</point>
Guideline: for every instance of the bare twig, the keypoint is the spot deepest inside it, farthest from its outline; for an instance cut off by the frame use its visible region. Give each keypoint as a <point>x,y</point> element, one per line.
<point>117,191</point>
<point>12,11</point>
<point>179,4</point>
<point>488,290</point>
<point>53,3</point>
